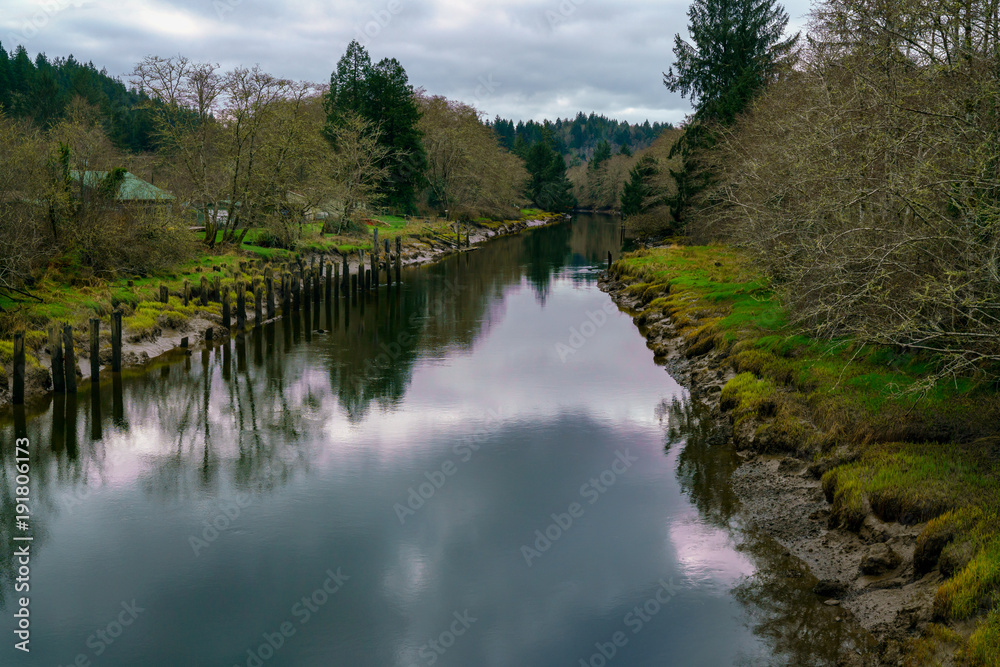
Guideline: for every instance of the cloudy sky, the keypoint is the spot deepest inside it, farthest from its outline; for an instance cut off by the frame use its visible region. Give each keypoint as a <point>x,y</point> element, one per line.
<point>520,59</point>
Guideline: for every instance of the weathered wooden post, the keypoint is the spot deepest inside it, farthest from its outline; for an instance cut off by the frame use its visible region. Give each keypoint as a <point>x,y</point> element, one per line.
<point>209,334</point>
<point>329,281</point>
<point>187,292</point>
<point>184,343</point>
<point>458,236</point>
<point>399,259</point>
<point>336,280</point>
<point>375,268</point>
<point>70,358</point>
<point>18,390</point>
<point>609,261</point>
<point>468,234</point>
<point>317,284</point>
<point>269,284</point>
<point>294,280</point>
<point>227,321</point>
<point>286,294</point>
<point>164,294</point>
<point>305,274</point>
<point>217,288</point>
<point>204,291</point>
<point>95,350</point>
<point>368,279</point>
<point>116,342</point>
<point>258,307</point>
<point>354,284</point>
<point>241,305</point>
<point>346,276</point>
<point>58,370</point>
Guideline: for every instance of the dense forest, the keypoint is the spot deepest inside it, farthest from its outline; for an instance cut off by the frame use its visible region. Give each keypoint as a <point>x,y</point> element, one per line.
<point>578,138</point>
<point>42,91</point>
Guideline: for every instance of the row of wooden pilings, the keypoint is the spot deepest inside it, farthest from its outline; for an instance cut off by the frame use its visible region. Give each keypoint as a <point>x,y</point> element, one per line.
<point>297,282</point>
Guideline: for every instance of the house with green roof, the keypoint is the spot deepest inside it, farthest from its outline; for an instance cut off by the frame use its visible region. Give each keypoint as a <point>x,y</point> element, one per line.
<point>133,192</point>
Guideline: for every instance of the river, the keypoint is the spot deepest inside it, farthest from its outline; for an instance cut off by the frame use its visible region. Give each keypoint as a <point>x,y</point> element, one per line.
<point>484,467</point>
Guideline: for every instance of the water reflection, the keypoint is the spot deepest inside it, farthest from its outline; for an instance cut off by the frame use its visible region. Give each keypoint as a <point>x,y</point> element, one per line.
<point>326,426</point>
<point>781,607</point>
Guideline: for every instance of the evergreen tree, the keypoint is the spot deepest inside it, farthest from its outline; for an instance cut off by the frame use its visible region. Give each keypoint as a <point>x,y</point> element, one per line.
<point>639,194</point>
<point>393,106</point>
<point>548,186</point>
<point>737,49</point>
<point>382,96</point>
<point>601,154</point>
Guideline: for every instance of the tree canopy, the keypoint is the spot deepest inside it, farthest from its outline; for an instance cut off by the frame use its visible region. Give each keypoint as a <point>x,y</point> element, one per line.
<point>736,48</point>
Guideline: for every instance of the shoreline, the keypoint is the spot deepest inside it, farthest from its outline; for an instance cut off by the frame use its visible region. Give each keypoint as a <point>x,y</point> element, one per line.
<point>782,497</point>
<point>136,354</point>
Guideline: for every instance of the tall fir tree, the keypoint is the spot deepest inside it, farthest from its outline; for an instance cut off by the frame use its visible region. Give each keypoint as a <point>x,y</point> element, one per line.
<point>382,95</point>
<point>736,48</point>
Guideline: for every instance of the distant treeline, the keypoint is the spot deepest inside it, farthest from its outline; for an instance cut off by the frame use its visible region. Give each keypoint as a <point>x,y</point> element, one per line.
<point>41,91</point>
<point>579,137</point>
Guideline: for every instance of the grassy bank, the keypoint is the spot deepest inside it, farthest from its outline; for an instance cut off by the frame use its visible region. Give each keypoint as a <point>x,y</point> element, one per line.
<point>885,436</point>
<point>68,292</point>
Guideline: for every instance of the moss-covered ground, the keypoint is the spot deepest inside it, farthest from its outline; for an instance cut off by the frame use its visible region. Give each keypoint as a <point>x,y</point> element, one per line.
<point>893,440</point>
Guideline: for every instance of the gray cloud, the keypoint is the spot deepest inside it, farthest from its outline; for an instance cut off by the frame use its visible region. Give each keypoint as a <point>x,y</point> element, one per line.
<point>520,59</point>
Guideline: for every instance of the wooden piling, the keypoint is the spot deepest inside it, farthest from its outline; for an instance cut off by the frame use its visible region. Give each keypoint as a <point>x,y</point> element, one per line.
<point>204,291</point>
<point>269,285</point>
<point>336,280</point>
<point>69,356</point>
<point>241,305</point>
<point>399,259</point>
<point>227,320</point>
<point>184,343</point>
<point>286,293</point>
<point>258,307</point>
<point>116,342</point>
<point>346,276</point>
<point>293,279</point>
<point>209,334</point>
<point>329,281</point>
<point>58,370</point>
<point>375,262</point>
<point>317,284</point>
<point>217,288</point>
<point>164,294</point>
<point>95,350</point>
<point>609,260</point>
<point>19,359</point>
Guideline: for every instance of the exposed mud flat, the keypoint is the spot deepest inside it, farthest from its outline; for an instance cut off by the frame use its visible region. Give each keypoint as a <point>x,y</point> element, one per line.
<point>868,574</point>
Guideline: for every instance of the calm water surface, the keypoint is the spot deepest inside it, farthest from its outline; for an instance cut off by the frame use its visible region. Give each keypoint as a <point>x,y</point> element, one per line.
<point>484,468</point>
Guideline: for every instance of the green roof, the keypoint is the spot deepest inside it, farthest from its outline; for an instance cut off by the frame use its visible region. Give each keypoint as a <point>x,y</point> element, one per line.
<point>132,188</point>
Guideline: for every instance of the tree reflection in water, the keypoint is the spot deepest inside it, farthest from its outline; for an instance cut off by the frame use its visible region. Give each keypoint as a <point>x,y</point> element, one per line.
<point>778,600</point>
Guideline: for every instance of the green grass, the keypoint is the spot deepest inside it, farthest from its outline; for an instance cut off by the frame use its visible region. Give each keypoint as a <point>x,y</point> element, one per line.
<point>916,450</point>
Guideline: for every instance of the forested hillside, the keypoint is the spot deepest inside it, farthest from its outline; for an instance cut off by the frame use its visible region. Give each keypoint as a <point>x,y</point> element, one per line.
<point>42,91</point>
<point>579,137</point>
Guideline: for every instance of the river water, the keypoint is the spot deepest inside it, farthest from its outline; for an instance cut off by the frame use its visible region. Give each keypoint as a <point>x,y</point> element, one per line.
<point>483,468</point>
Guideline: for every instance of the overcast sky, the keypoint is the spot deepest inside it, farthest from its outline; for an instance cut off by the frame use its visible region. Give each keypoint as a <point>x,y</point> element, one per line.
<point>520,59</point>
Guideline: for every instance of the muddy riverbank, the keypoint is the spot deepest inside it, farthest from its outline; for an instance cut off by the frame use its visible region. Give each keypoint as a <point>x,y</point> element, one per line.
<point>869,574</point>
